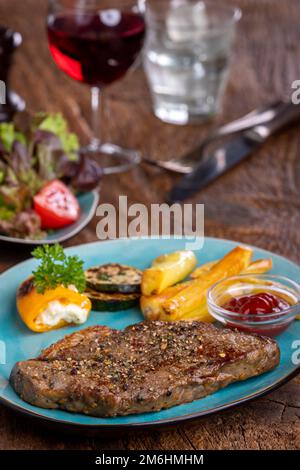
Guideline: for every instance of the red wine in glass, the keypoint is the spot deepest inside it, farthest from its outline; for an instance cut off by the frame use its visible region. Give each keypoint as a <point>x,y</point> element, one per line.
<point>96,48</point>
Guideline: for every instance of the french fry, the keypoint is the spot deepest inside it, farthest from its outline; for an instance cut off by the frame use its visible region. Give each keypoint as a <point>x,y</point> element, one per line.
<point>166,271</point>
<point>151,305</point>
<point>259,266</point>
<point>191,297</point>
<point>203,269</point>
<point>200,314</point>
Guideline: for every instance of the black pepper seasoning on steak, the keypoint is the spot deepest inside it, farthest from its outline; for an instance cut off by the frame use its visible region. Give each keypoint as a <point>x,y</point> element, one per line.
<point>148,366</point>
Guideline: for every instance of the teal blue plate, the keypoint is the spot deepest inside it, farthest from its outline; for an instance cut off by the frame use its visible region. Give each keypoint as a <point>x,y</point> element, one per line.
<point>88,203</point>
<point>18,343</point>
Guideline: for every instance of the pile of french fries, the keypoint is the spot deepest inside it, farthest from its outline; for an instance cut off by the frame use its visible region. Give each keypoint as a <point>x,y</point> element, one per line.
<point>165,297</point>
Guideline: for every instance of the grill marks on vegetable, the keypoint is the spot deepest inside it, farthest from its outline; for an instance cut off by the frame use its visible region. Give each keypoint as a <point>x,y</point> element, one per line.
<point>26,287</point>
<point>113,286</point>
<point>114,277</point>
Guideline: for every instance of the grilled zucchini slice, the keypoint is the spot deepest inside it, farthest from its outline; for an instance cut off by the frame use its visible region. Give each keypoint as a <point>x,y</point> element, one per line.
<point>111,302</point>
<point>114,277</point>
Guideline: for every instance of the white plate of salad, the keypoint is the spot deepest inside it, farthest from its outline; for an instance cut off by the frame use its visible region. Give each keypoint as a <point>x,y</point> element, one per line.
<point>49,190</point>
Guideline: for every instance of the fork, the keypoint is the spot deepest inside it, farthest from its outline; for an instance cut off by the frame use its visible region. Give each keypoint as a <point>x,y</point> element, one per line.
<point>186,163</point>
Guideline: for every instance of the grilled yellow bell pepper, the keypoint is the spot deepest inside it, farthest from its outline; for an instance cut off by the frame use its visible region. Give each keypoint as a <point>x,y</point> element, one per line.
<point>31,304</point>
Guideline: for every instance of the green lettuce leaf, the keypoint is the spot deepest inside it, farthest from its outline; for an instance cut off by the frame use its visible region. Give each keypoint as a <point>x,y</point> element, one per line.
<point>56,124</point>
<point>8,135</point>
<point>6,213</point>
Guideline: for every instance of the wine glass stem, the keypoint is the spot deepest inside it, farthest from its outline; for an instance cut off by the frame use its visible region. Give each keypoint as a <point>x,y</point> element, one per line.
<point>96,118</point>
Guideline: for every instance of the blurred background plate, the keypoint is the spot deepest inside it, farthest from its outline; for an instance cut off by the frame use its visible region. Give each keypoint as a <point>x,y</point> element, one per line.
<point>88,203</point>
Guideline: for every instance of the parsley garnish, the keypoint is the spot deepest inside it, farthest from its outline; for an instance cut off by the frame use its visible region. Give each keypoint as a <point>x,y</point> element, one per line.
<point>57,269</point>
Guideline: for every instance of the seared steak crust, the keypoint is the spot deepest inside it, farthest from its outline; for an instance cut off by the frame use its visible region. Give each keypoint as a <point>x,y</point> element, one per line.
<point>146,367</point>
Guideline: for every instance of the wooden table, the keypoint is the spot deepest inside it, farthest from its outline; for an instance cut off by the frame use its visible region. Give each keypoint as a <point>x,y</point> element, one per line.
<point>256,203</point>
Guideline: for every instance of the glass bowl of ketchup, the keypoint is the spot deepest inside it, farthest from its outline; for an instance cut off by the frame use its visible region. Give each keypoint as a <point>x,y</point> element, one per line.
<point>255,303</point>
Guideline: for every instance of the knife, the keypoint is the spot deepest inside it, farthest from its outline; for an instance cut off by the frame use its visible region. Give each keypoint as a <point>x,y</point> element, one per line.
<point>232,153</point>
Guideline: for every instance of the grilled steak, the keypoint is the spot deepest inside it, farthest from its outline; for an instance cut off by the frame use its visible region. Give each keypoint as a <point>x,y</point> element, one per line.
<point>148,366</point>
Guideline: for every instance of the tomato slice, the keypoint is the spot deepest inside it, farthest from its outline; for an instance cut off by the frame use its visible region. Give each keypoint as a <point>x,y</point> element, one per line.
<point>56,205</point>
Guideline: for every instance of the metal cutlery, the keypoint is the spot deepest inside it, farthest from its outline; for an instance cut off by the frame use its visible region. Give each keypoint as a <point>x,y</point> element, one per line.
<point>232,152</point>
<point>186,163</point>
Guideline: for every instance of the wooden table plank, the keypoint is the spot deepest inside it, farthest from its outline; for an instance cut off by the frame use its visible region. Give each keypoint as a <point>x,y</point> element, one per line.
<point>257,203</point>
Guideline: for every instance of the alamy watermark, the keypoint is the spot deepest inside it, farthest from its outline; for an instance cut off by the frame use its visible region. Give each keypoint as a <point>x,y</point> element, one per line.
<point>295,97</point>
<point>296,353</point>
<point>159,221</point>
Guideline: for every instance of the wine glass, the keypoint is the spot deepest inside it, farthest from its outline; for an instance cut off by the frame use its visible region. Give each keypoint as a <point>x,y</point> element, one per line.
<point>95,42</point>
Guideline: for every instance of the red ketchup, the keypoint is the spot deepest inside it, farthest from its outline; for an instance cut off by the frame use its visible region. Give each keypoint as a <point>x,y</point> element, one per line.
<point>258,304</point>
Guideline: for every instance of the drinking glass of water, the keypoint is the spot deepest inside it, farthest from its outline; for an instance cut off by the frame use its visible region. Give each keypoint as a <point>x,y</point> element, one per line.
<point>186,57</point>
